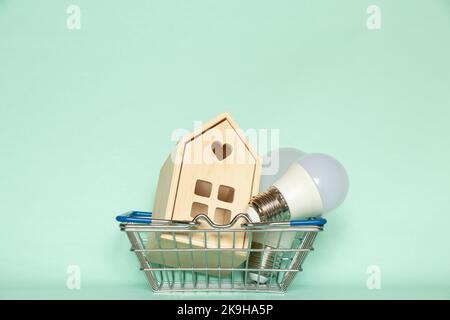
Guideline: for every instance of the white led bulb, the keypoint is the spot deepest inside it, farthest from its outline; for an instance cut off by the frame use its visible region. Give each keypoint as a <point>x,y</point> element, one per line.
<point>313,185</point>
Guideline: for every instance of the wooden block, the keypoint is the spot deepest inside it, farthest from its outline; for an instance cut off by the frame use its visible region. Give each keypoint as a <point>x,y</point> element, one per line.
<point>197,259</point>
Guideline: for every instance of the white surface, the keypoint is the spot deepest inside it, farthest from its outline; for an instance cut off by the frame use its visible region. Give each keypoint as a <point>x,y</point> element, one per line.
<point>300,193</point>
<point>254,216</point>
<point>329,176</point>
<point>275,163</point>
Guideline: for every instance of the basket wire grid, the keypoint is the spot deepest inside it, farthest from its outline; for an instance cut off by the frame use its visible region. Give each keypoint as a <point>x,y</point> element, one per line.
<point>266,267</point>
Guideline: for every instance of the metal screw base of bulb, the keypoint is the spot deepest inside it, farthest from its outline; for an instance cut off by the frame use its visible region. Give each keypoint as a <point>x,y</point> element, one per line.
<point>271,205</point>
<point>264,260</point>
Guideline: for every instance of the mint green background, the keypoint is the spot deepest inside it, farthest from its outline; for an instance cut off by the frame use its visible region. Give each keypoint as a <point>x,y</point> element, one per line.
<point>86,118</point>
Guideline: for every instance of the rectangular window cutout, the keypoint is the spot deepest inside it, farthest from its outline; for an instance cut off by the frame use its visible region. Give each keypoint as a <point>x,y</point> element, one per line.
<point>203,188</point>
<point>226,194</point>
<point>198,208</point>
<point>222,216</point>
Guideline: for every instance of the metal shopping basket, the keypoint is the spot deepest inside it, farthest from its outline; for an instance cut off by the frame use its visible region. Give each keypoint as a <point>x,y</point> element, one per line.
<point>273,256</point>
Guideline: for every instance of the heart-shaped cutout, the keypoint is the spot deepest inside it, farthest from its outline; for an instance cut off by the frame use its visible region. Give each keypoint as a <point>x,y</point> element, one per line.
<point>221,151</point>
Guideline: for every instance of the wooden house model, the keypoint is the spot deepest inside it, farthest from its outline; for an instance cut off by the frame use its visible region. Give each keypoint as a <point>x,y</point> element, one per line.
<point>214,171</point>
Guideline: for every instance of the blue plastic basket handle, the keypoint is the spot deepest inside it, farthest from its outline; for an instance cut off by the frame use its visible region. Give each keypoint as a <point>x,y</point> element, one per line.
<point>146,214</point>
<point>146,217</point>
<point>308,222</point>
<point>135,217</point>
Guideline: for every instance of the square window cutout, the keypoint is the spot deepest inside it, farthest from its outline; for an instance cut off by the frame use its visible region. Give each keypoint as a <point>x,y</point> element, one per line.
<point>225,194</point>
<point>203,188</point>
<point>222,216</point>
<point>198,208</point>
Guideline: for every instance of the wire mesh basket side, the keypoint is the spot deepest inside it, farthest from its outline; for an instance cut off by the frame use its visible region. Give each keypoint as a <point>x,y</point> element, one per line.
<point>266,266</point>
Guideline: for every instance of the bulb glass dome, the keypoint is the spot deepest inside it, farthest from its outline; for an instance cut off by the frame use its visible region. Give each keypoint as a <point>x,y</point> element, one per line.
<point>329,176</point>
<point>276,162</point>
